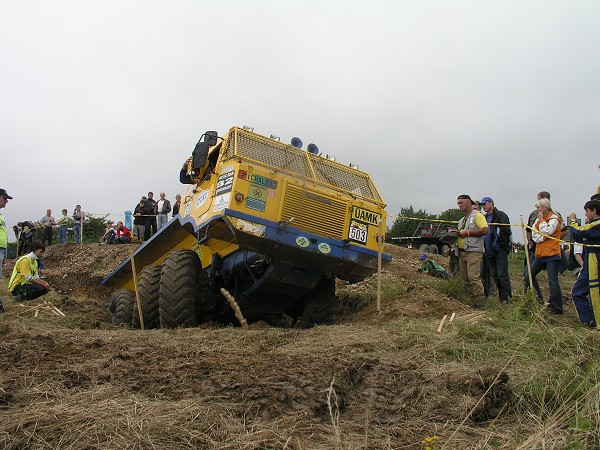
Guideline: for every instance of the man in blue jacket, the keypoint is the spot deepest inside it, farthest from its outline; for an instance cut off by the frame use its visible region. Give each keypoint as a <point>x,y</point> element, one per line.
<point>498,244</point>
<point>586,290</point>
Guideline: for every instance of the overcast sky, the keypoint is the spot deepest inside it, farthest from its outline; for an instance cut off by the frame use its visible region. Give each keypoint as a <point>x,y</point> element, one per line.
<point>101,102</point>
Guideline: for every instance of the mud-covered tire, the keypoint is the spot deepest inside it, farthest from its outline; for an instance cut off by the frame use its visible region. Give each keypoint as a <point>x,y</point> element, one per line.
<point>319,305</point>
<point>433,249</point>
<point>424,248</point>
<point>148,290</point>
<point>445,250</point>
<point>121,305</point>
<point>180,283</point>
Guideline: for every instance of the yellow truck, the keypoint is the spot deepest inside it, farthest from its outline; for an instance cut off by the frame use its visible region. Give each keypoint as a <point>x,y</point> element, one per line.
<point>271,223</point>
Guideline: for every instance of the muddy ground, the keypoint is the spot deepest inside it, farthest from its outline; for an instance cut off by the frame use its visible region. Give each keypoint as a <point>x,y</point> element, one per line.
<point>79,382</point>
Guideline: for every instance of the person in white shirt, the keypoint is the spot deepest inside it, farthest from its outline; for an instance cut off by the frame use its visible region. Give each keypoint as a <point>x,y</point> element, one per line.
<point>163,207</point>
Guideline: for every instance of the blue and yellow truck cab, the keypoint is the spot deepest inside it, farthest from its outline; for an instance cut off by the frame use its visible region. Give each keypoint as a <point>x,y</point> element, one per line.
<point>271,223</point>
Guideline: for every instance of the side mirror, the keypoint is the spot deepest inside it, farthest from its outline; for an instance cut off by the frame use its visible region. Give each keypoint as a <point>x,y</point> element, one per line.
<point>211,137</point>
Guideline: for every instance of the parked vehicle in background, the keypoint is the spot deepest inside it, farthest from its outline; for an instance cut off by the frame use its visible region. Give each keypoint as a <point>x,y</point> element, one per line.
<point>430,237</point>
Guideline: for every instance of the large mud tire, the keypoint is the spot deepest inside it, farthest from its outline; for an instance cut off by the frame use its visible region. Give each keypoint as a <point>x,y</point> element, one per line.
<point>121,305</point>
<point>433,249</point>
<point>180,289</point>
<point>148,290</point>
<point>319,305</point>
<point>445,250</point>
<point>424,248</point>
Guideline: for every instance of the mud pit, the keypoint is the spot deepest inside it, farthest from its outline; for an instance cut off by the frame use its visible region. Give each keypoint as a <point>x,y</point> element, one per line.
<point>79,382</point>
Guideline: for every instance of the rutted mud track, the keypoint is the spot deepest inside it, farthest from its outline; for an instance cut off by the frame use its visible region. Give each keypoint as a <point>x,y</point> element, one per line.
<point>79,382</point>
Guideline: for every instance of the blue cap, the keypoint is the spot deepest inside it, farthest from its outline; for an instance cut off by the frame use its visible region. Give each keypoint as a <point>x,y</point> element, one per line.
<point>423,256</point>
<point>486,199</point>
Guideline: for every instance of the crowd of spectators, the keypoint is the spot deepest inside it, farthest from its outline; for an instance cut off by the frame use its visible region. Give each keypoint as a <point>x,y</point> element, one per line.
<point>484,242</point>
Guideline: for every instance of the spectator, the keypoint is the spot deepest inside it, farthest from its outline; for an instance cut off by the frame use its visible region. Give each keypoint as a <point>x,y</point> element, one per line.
<point>25,282</point>
<point>151,226</point>
<point>47,222</point>
<point>471,229</point>
<point>546,234</point>
<point>489,288</point>
<point>432,268</point>
<point>497,244</point>
<point>121,236</point>
<point>586,290</point>
<point>164,208</point>
<point>63,224</point>
<point>176,205</point>
<point>139,220</point>
<point>78,218</point>
<point>109,234</point>
<point>4,198</point>
<point>24,234</point>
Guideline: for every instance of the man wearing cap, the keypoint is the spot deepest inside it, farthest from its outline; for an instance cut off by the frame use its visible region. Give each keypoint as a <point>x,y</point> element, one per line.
<point>497,244</point>
<point>471,230</point>
<point>4,198</point>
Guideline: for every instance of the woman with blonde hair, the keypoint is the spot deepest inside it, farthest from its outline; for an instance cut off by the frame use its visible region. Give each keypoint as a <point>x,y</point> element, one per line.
<point>546,235</point>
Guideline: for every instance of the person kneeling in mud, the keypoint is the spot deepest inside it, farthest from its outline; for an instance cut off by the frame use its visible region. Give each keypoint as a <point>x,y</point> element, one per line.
<point>25,282</point>
<point>432,268</point>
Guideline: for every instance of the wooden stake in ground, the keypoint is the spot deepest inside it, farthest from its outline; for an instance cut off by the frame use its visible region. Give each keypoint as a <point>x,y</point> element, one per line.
<point>135,286</point>
<point>442,323</point>
<point>379,251</point>
<point>236,309</point>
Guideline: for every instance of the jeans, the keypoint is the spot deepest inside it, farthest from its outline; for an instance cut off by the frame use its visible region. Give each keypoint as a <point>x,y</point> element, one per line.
<point>150,227</point>
<point>163,219</point>
<point>77,233</point>
<point>581,297</point>
<point>556,304</point>
<point>62,234</point>
<point>139,231</point>
<point>498,265</point>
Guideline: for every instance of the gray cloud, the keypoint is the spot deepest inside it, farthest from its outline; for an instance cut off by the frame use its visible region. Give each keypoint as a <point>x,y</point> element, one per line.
<point>101,102</point>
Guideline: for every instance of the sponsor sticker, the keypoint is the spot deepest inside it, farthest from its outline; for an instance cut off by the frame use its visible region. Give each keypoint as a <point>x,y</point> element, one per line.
<point>358,232</point>
<point>257,205</point>
<point>188,209</point>
<point>201,198</point>
<point>324,247</point>
<point>224,183</point>
<point>257,179</point>
<point>256,198</point>
<point>365,216</point>
<point>301,241</point>
<point>221,202</point>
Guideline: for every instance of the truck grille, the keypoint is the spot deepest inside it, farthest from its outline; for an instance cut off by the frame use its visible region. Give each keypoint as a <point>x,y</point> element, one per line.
<point>314,213</point>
